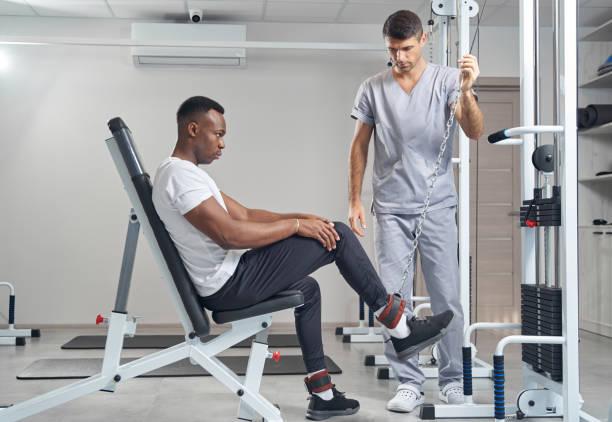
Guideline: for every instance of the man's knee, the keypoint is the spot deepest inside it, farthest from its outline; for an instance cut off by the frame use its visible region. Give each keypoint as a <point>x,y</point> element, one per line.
<point>311,291</point>
<point>342,229</point>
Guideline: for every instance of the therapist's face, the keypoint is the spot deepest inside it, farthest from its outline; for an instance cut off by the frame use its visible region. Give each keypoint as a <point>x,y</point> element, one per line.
<point>405,54</point>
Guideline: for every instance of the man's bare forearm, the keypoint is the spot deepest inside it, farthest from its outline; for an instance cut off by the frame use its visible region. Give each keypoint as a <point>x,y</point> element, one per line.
<point>264,216</point>
<point>251,234</point>
<point>472,120</point>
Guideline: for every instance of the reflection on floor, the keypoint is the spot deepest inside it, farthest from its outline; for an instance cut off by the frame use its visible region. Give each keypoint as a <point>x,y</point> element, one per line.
<point>204,399</point>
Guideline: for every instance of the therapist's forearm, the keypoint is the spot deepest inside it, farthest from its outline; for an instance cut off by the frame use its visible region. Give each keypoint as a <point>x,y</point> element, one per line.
<point>357,163</point>
<point>472,120</point>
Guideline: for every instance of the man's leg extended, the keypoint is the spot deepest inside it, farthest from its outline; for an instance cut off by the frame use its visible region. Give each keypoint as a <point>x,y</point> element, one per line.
<point>265,271</point>
<point>393,240</point>
<point>285,265</point>
<point>438,250</point>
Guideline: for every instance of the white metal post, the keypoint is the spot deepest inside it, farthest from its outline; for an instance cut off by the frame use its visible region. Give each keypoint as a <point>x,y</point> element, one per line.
<point>567,93</point>
<point>114,346</point>
<point>463,20</point>
<point>527,49</point>
<point>442,40</point>
<point>463,162</point>
<point>527,69</point>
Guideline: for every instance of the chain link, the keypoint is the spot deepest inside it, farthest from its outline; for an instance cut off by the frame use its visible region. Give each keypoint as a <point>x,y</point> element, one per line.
<point>432,184</point>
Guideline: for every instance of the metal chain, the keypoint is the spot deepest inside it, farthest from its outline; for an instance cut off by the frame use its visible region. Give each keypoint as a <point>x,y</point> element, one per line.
<point>432,184</point>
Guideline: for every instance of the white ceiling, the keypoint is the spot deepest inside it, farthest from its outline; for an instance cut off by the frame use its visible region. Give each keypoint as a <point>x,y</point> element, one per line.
<point>496,12</point>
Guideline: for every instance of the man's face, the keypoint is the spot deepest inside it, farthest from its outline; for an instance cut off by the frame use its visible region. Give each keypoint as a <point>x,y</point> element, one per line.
<point>405,54</point>
<point>208,131</point>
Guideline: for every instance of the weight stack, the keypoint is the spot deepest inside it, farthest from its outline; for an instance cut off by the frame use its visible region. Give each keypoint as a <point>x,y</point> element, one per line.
<point>545,212</point>
<point>541,315</point>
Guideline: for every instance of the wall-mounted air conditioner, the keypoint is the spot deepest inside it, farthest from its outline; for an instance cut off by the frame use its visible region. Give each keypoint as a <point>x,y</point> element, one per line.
<point>178,32</point>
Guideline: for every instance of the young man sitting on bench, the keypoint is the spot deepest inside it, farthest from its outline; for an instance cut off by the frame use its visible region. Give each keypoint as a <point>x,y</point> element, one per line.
<point>237,257</point>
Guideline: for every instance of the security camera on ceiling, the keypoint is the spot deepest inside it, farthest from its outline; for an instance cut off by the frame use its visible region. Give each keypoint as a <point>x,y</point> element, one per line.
<point>195,15</point>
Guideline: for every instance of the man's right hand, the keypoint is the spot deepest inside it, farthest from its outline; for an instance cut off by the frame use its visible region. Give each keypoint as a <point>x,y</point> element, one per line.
<point>320,230</point>
<point>357,215</point>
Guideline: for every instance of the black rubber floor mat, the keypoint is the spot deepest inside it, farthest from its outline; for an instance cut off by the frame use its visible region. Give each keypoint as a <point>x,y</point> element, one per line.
<point>86,367</point>
<point>164,341</point>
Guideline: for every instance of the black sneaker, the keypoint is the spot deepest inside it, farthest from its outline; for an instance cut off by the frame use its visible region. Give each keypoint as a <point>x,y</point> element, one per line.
<point>320,409</point>
<point>423,332</point>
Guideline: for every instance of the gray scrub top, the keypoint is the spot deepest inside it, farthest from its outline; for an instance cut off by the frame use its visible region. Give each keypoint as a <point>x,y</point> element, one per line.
<point>408,131</point>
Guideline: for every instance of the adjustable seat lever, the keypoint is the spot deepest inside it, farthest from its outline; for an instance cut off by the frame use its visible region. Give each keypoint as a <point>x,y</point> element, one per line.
<point>275,355</point>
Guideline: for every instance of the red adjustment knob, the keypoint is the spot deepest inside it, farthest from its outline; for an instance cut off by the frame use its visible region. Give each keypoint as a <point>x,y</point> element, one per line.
<point>276,355</point>
<point>99,319</point>
<point>530,223</point>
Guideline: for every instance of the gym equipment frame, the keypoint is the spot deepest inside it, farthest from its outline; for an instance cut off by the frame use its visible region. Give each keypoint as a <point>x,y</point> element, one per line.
<point>361,333</point>
<point>247,322</point>
<point>12,335</point>
<point>554,369</point>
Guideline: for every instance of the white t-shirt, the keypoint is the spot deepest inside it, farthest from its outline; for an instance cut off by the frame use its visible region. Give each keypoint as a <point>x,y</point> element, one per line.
<point>178,188</point>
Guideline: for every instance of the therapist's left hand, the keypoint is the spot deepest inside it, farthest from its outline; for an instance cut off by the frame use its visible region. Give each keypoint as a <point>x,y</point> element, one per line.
<point>470,71</point>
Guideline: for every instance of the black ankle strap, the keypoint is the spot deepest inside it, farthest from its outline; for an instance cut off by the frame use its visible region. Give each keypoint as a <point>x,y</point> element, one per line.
<point>318,383</point>
<point>393,312</point>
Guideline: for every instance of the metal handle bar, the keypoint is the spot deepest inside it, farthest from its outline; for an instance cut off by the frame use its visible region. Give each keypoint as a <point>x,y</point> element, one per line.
<point>522,130</point>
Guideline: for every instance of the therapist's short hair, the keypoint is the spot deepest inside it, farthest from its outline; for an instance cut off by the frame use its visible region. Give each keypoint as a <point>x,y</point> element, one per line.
<point>198,104</point>
<point>402,25</point>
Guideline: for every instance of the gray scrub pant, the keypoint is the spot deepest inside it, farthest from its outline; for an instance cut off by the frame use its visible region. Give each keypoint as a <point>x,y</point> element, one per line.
<point>394,234</point>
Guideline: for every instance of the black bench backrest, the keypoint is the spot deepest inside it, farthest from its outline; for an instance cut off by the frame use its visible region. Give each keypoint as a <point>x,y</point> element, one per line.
<point>143,187</point>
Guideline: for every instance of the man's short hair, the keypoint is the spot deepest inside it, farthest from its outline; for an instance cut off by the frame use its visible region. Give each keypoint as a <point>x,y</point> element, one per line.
<point>402,25</point>
<point>194,105</point>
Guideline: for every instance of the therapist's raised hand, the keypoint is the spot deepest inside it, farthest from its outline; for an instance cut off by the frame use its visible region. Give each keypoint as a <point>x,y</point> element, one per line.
<point>356,218</point>
<point>470,71</point>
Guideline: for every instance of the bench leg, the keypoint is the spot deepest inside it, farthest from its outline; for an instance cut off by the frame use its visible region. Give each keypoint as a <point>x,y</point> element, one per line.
<point>252,381</point>
<point>251,400</point>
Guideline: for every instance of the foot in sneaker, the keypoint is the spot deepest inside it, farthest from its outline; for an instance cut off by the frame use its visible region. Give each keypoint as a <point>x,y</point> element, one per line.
<point>407,398</point>
<point>320,409</point>
<point>423,332</point>
<point>452,393</point>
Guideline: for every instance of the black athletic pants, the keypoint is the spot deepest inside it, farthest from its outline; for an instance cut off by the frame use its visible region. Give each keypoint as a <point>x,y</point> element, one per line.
<point>285,265</point>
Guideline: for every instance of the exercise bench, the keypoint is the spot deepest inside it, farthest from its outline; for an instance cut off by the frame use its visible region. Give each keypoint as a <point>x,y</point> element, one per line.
<point>247,322</point>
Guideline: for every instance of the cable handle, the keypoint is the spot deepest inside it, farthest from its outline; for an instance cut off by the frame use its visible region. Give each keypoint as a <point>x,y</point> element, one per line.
<point>432,184</point>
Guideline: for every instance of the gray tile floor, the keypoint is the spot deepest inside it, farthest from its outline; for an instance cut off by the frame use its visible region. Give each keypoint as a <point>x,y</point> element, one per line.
<point>204,399</point>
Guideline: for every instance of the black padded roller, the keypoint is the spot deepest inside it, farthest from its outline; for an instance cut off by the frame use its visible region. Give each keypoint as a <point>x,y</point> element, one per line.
<point>11,310</point>
<point>497,136</point>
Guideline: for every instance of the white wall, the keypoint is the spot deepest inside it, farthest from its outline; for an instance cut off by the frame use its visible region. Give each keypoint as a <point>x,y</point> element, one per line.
<point>64,213</point>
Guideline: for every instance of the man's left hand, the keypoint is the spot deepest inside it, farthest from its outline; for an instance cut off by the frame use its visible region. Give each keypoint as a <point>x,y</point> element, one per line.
<point>316,217</point>
<point>470,71</point>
